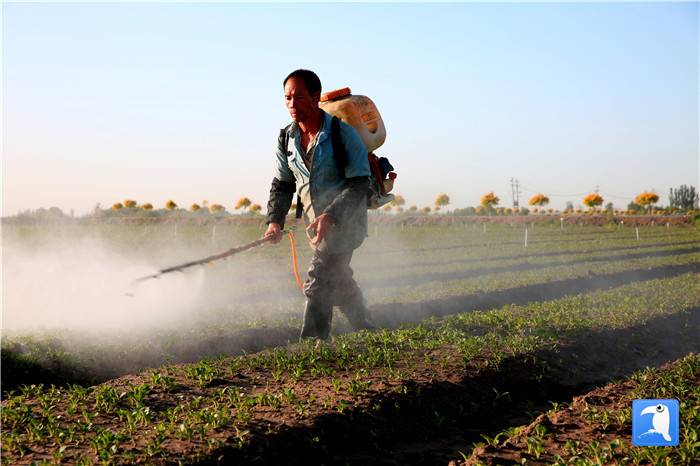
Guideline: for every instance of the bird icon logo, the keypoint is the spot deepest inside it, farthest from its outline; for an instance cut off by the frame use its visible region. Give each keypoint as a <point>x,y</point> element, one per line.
<point>655,422</point>
<point>660,421</point>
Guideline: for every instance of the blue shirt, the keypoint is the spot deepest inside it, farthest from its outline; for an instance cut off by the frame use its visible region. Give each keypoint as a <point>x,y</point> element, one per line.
<point>318,187</point>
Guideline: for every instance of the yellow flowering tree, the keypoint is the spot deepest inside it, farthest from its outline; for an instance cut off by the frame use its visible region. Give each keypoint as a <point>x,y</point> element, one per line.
<point>647,199</point>
<point>242,203</point>
<point>539,200</point>
<point>117,206</point>
<point>194,207</point>
<point>398,200</point>
<point>214,208</point>
<point>255,208</point>
<point>593,200</point>
<point>147,206</point>
<point>171,205</point>
<point>489,201</point>
<point>425,210</point>
<point>129,203</point>
<point>442,200</point>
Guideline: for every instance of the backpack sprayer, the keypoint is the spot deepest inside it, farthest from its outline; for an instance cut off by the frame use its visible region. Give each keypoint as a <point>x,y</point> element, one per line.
<point>359,112</point>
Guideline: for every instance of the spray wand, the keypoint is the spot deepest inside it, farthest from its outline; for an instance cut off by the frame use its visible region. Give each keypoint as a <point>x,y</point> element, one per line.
<point>222,255</point>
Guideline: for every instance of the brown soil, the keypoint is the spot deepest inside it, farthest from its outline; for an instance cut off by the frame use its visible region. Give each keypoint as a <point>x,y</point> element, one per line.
<point>437,409</point>
<point>562,425</point>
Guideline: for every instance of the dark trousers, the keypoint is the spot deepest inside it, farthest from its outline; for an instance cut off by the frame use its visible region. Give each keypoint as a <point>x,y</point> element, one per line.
<point>331,278</point>
<point>331,283</point>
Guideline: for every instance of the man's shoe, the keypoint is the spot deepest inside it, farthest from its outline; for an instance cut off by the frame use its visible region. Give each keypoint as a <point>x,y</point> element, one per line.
<point>317,319</point>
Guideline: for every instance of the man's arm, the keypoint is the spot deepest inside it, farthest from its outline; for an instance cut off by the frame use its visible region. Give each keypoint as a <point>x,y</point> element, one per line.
<point>281,194</point>
<point>283,187</point>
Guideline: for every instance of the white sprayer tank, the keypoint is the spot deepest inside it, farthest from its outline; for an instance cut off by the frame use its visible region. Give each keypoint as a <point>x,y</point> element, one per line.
<point>359,112</point>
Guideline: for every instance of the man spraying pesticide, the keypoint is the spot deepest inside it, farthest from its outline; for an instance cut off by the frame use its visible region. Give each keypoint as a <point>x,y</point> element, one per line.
<point>338,181</point>
<point>327,160</point>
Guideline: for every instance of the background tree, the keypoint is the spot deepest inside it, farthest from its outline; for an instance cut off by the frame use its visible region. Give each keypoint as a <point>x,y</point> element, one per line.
<point>398,201</point>
<point>242,203</point>
<point>609,208</point>
<point>117,206</point>
<point>170,205</point>
<point>442,200</point>
<point>425,210</point>
<point>195,207</point>
<point>255,208</point>
<point>129,203</point>
<point>489,201</point>
<point>684,197</point>
<point>55,212</point>
<point>593,200</point>
<point>147,206</point>
<point>633,207</point>
<point>386,207</point>
<point>214,208</point>
<point>569,206</point>
<point>539,200</point>
<point>647,199</point>
<point>413,208</point>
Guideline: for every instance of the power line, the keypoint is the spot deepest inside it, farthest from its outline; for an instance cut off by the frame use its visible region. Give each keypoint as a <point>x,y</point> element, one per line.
<point>604,194</point>
<point>534,191</point>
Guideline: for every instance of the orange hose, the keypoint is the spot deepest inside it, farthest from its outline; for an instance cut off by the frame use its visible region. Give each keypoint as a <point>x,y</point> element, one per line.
<point>294,261</point>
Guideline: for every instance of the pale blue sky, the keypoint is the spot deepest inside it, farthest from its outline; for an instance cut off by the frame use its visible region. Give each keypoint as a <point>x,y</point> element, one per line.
<point>103,102</point>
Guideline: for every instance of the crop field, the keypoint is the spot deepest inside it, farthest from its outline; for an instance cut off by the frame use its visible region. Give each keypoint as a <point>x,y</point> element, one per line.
<point>495,346</point>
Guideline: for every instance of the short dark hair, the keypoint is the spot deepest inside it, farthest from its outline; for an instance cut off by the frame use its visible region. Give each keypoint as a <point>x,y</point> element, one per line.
<point>311,81</point>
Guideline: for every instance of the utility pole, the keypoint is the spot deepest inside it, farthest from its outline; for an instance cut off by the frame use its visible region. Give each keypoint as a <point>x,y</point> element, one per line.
<point>515,193</point>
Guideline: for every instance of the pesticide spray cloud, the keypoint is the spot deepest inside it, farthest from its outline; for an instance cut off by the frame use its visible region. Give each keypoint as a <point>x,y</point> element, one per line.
<point>81,286</point>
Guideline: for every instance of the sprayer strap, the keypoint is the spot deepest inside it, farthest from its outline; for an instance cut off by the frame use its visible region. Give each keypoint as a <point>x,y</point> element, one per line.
<point>300,208</point>
<point>339,154</point>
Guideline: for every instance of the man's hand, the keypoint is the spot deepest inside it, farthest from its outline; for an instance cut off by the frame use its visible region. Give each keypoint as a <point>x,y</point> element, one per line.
<point>274,232</point>
<point>321,224</point>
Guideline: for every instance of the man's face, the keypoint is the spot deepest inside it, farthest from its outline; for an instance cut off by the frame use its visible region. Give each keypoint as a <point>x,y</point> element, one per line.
<point>300,103</point>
